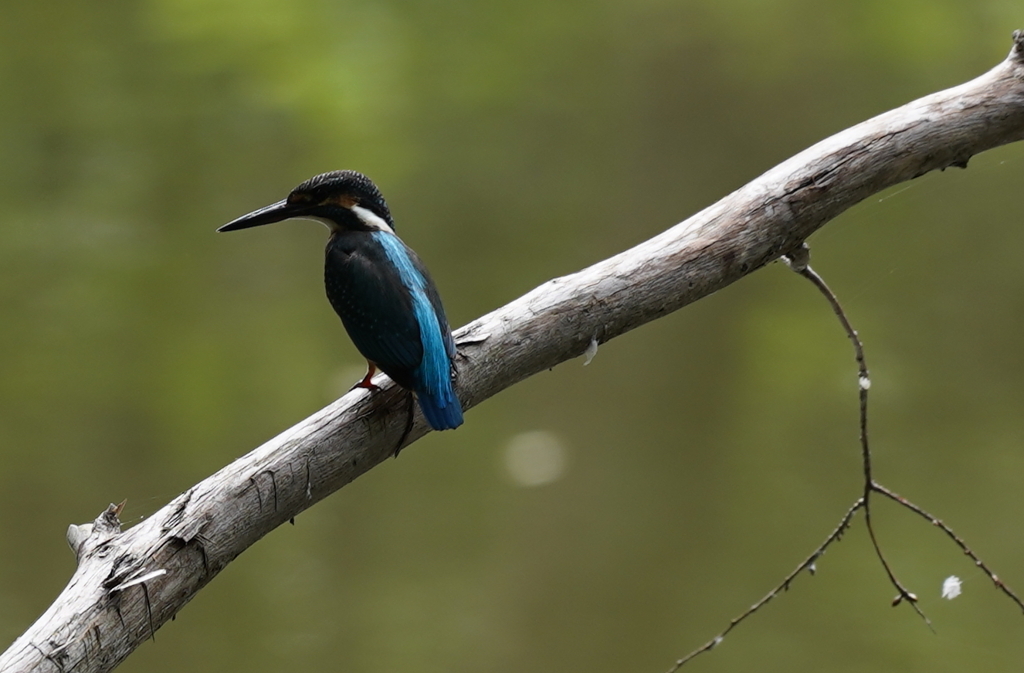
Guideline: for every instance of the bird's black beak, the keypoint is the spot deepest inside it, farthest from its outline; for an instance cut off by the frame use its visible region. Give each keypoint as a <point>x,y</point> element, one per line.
<point>275,212</point>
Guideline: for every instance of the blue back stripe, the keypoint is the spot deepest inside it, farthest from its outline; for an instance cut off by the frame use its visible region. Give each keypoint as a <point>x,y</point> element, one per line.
<point>434,372</point>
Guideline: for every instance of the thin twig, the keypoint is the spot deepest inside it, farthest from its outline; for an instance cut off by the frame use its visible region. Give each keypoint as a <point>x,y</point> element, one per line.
<point>798,261</point>
<point>808,564</point>
<point>953,536</point>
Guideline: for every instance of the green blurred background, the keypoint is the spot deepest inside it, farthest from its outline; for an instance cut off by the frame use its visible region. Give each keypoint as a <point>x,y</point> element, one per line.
<point>602,519</point>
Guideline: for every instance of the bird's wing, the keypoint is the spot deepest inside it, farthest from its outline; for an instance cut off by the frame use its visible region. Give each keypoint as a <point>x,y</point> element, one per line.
<point>376,310</point>
<point>435,302</point>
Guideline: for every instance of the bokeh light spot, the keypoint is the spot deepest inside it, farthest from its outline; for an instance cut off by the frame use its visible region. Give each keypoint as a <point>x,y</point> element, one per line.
<point>535,458</point>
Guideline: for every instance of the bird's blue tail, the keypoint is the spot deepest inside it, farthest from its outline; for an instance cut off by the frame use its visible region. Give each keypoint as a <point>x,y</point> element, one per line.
<point>441,414</point>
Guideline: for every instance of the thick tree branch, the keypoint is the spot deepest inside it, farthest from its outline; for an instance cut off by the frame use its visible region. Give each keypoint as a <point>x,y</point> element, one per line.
<point>117,596</point>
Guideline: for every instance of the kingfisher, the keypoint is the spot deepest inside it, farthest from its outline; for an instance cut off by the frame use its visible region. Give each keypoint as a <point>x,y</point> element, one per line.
<point>379,288</point>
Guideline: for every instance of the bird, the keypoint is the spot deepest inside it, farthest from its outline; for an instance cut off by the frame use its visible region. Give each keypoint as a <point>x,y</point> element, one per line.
<point>379,287</point>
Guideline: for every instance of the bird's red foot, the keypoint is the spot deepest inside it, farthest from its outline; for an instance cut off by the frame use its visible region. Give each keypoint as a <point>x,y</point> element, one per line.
<point>367,381</point>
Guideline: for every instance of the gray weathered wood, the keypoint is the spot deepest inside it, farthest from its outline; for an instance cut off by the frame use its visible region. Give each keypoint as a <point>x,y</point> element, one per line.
<point>117,598</point>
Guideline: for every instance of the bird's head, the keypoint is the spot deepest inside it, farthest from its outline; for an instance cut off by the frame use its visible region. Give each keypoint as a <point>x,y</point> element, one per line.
<point>342,200</point>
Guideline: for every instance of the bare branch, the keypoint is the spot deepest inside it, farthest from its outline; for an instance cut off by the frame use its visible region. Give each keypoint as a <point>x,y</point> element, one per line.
<point>878,488</point>
<point>798,260</point>
<point>93,627</point>
<point>800,264</point>
<point>808,564</point>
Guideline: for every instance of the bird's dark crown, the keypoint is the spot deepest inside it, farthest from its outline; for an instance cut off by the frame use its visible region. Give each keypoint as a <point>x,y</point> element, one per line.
<point>332,196</point>
<point>342,200</point>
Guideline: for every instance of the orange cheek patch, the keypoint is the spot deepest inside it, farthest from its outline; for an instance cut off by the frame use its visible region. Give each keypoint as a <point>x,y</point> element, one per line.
<point>343,200</point>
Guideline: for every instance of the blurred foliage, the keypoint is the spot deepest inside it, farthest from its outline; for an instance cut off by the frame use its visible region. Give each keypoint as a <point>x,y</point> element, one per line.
<point>706,453</point>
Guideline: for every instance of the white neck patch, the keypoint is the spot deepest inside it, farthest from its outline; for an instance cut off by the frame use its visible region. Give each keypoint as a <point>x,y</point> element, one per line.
<point>372,220</point>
